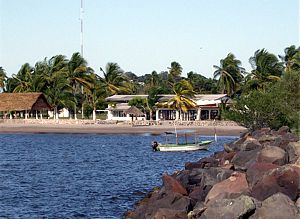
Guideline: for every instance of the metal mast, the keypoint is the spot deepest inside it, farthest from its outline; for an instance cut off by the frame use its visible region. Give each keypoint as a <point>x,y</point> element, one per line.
<point>81,28</point>
<point>81,47</point>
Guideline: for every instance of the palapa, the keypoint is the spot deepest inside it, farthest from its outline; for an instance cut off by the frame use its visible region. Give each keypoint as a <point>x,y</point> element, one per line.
<point>134,111</point>
<point>23,101</point>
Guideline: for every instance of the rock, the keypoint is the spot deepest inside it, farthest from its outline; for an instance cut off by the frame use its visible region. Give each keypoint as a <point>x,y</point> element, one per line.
<point>202,163</point>
<point>274,155</point>
<point>210,176</point>
<point>243,159</point>
<point>278,206</point>
<point>267,138</point>
<point>260,132</point>
<point>240,207</point>
<point>297,203</point>
<point>226,158</point>
<point>183,177</point>
<point>250,144</point>
<point>236,184</point>
<point>256,171</point>
<point>284,179</point>
<point>172,201</point>
<point>197,211</point>
<point>293,150</point>
<point>297,162</point>
<point>204,179</point>
<point>165,213</point>
<point>235,146</point>
<point>172,185</point>
<point>283,130</point>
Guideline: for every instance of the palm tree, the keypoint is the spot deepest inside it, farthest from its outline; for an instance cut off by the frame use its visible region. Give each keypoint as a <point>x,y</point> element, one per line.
<point>291,58</point>
<point>266,69</point>
<point>23,80</point>
<point>95,92</point>
<point>174,73</point>
<point>77,75</point>
<point>53,76</point>
<point>182,101</point>
<point>230,74</point>
<point>2,78</point>
<point>58,91</point>
<point>114,79</point>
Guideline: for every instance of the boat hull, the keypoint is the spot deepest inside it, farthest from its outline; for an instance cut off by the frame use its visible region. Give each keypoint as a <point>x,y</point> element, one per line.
<point>186,147</point>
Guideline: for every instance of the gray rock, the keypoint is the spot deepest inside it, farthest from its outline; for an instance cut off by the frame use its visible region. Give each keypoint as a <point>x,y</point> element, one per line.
<point>274,155</point>
<point>165,213</point>
<point>243,159</point>
<point>277,206</point>
<point>293,150</point>
<point>240,207</point>
<point>250,144</point>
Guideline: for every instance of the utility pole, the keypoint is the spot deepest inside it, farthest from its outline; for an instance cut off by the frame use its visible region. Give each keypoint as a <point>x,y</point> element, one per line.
<point>81,28</point>
<point>81,47</point>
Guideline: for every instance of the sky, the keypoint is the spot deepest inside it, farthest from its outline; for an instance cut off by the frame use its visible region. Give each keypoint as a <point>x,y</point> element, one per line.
<point>143,36</point>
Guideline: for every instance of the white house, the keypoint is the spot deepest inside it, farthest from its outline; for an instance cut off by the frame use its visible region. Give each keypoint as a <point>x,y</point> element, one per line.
<point>208,108</point>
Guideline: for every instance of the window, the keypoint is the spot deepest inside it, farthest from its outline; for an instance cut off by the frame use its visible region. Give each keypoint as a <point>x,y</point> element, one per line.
<point>214,114</point>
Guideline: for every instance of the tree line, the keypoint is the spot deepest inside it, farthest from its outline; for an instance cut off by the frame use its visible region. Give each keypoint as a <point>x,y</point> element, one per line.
<point>72,84</point>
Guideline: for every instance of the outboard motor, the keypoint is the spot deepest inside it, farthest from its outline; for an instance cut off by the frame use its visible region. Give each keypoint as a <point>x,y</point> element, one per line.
<point>154,146</point>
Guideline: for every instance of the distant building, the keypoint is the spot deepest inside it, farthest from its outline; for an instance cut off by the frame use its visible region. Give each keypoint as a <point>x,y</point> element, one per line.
<point>23,105</point>
<point>208,108</point>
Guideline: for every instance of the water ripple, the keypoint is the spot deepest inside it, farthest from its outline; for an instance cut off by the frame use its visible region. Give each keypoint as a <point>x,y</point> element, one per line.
<point>81,176</point>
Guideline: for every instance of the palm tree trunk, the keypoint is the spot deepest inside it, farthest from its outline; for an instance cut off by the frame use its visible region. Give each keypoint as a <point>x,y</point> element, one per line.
<point>94,113</point>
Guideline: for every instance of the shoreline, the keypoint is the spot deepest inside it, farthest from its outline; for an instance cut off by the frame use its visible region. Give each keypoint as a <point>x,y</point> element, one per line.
<point>115,129</point>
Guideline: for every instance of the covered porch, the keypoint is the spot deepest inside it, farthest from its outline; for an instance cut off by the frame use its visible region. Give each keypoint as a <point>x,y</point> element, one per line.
<point>23,105</point>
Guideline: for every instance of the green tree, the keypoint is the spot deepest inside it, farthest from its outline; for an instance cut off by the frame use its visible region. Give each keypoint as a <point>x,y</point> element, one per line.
<point>291,58</point>
<point>266,69</point>
<point>3,78</point>
<point>182,101</point>
<point>277,105</point>
<point>229,74</point>
<point>77,74</point>
<point>114,79</point>
<point>95,93</point>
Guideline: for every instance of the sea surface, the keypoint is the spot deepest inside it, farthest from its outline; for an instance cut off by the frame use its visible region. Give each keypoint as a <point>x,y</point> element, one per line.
<point>83,175</point>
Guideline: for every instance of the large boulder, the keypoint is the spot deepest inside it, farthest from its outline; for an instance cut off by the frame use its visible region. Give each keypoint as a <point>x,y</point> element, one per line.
<point>166,213</point>
<point>284,179</point>
<point>172,201</point>
<point>204,179</point>
<point>274,155</point>
<point>235,185</point>
<point>278,206</point>
<point>293,150</point>
<point>240,207</point>
<point>172,185</point>
<point>257,170</point>
<point>250,144</point>
<point>206,162</point>
<point>243,159</point>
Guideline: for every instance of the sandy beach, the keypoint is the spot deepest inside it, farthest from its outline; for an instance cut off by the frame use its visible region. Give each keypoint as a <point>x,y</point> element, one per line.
<point>115,129</point>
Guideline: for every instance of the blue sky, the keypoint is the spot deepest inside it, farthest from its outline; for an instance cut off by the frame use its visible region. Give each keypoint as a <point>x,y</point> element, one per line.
<point>142,36</point>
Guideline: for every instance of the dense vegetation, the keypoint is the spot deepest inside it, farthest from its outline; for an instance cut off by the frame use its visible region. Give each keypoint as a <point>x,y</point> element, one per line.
<point>268,95</point>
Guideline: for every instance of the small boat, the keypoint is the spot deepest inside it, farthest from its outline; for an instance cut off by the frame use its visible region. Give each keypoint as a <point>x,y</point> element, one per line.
<point>202,145</point>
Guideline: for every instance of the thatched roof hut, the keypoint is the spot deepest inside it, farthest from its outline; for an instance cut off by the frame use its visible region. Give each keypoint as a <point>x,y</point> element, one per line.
<point>134,111</point>
<point>23,102</point>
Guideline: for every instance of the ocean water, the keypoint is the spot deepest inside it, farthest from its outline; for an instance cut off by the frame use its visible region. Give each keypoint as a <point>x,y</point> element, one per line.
<point>83,175</point>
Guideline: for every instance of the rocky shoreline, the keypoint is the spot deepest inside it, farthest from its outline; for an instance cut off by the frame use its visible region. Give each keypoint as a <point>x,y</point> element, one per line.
<point>257,176</point>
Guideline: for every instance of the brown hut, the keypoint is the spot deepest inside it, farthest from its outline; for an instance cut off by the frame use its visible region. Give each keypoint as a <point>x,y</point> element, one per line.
<point>134,111</point>
<point>23,102</point>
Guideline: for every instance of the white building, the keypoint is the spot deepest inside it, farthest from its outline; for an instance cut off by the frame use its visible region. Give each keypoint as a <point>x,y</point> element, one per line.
<point>208,108</point>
